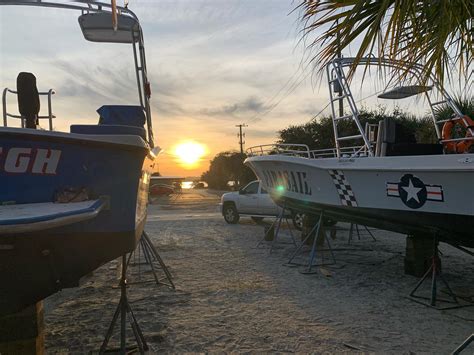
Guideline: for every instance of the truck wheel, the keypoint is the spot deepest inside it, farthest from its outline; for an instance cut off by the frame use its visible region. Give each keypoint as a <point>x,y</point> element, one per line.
<point>257,219</point>
<point>298,218</point>
<point>231,215</point>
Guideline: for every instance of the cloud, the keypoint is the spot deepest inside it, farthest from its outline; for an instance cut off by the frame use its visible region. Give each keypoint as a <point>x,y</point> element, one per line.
<point>117,84</point>
<point>167,108</point>
<point>252,105</point>
<point>320,108</point>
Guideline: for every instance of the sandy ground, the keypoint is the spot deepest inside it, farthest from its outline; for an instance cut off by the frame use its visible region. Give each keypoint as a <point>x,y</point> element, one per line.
<point>233,296</point>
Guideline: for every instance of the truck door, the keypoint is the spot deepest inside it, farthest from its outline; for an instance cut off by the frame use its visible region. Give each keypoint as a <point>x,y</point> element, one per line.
<point>266,204</point>
<point>248,198</point>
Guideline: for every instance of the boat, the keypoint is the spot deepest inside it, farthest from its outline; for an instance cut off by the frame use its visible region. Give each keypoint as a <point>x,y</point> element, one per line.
<point>72,201</point>
<point>374,176</point>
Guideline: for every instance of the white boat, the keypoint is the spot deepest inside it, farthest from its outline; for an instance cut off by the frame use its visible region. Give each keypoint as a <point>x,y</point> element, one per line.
<point>420,189</point>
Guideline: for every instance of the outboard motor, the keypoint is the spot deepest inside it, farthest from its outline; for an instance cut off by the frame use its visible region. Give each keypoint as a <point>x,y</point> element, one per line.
<point>28,98</point>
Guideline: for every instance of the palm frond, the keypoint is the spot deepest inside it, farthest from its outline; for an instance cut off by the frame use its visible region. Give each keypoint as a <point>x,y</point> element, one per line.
<point>437,34</point>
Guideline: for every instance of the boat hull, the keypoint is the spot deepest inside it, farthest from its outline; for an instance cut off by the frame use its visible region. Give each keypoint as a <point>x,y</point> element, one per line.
<point>37,264</point>
<point>413,195</point>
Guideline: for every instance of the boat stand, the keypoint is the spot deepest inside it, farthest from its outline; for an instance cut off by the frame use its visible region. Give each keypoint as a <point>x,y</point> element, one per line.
<point>276,226</point>
<point>435,272</point>
<point>123,309</point>
<point>356,227</point>
<point>316,230</point>
<point>464,345</point>
<point>151,256</point>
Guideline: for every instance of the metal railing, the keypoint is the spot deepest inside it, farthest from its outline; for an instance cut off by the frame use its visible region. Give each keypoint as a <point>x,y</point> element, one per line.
<point>467,138</point>
<point>303,151</point>
<point>345,152</point>
<point>49,116</point>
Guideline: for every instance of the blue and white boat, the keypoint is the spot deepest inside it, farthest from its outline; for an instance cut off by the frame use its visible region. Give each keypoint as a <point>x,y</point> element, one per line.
<point>70,202</point>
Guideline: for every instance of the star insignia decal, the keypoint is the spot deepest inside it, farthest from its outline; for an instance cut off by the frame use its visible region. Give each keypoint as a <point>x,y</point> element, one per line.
<point>414,192</point>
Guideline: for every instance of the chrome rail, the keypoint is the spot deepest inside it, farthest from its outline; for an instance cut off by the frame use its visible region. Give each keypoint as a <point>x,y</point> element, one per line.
<point>49,116</point>
<point>467,138</point>
<point>300,150</point>
<point>346,152</point>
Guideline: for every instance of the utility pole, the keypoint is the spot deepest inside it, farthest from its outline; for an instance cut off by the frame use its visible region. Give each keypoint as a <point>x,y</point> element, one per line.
<point>241,137</point>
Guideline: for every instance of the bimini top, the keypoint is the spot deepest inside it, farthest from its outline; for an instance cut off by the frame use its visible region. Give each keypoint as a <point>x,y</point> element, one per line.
<point>98,27</point>
<point>403,92</point>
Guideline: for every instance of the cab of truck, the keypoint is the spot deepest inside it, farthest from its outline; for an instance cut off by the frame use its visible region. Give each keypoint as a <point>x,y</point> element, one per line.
<point>253,201</point>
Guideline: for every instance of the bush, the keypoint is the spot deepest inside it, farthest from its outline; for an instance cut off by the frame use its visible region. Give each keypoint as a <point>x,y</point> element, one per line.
<point>227,166</point>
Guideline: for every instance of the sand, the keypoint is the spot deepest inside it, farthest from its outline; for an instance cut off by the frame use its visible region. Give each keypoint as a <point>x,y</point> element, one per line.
<point>232,296</point>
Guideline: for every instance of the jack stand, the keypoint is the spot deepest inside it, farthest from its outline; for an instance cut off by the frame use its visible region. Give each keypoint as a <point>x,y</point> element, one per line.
<point>317,229</point>
<point>123,308</point>
<point>277,223</point>
<point>151,255</point>
<point>435,272</point>
<point>358,232</point>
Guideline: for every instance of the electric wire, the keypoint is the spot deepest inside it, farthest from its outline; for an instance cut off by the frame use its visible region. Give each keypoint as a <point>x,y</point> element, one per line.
<point>290,86</point>
<point>358,101</point>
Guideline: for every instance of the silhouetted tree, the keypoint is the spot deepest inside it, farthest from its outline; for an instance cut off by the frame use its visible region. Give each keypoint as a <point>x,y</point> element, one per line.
<point>228,166</point>
<point>319,134</point>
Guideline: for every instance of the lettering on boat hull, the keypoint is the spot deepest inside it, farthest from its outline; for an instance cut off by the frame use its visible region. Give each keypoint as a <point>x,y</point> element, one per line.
<point>292,181</point>
<point>29,160</point>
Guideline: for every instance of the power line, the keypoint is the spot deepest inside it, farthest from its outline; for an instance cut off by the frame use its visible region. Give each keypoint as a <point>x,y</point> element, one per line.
<point>290,85</point>
<point>358,101</point>
<point>320,112</point>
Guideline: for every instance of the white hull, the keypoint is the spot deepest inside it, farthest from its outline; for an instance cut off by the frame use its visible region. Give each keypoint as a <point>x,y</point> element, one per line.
<point>405,193</point>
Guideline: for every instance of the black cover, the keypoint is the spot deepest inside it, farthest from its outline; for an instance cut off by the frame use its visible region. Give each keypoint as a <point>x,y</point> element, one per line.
<point>28,98</point>
<point>404,149</point>
<point>401,141</point>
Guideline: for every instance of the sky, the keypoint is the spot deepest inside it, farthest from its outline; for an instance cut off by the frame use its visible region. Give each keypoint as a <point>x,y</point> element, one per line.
<point>212,64</point>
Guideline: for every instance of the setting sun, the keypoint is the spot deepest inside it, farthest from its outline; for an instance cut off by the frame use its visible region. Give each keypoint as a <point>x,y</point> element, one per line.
<point>190,152</point>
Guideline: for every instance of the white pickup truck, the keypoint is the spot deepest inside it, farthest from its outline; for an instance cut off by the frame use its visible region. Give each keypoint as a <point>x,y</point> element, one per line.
<point>253,201</point>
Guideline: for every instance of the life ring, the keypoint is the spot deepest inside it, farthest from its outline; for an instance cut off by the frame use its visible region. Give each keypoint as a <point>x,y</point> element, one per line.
<point>459,146</point>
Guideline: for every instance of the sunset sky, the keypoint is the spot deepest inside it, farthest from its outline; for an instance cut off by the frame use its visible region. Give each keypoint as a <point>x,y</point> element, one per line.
<point>212,64</point>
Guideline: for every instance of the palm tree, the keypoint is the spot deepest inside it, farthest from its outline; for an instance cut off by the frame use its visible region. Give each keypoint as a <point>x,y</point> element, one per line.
<point>437,34</point>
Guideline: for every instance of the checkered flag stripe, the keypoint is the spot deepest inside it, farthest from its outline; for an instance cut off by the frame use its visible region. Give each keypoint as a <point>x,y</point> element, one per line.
<point>343,188</point>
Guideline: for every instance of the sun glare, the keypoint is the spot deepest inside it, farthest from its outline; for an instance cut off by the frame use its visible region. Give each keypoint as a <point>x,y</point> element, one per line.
<point>190,152</point>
